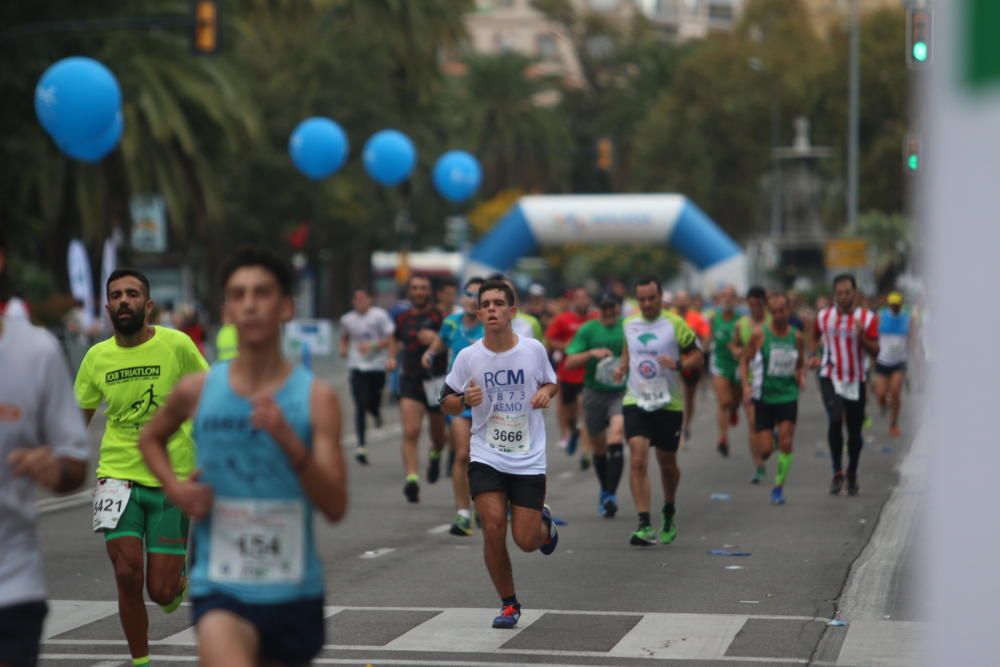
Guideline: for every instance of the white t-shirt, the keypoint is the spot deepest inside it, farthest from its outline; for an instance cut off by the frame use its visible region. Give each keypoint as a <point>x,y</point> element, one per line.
<point>522,327</point>
<point>507,434</point>
<point>372,327</point>
<point>37,407</point>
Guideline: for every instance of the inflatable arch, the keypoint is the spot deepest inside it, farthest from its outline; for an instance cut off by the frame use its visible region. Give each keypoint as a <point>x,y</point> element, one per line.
<point>604,219</point>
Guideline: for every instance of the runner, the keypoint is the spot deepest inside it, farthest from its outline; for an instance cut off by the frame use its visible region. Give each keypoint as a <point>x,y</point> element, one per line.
<point>133,373</point>
<point>701,328</point>
<point>507,381</point>
<point>419,389</point>
<point>776,353</point>
<point>366,335</point>
<point>658,345</point>
<point>752,321</point>
<point>445,296</point>
<point>847,333</point>
<point>597,346</point>
<point>268,437</point>
<point>43,443</point>
<point>724,367</point>
<point>457,333</point>
<point>560,332</point>
<point>894,338</point>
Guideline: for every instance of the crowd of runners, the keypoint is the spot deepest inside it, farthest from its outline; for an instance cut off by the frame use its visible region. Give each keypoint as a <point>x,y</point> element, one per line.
<point>476,362</point>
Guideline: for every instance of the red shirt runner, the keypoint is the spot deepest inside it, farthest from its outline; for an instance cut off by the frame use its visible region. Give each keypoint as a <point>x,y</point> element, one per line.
<point>843,356</point>
<point>562,329</point>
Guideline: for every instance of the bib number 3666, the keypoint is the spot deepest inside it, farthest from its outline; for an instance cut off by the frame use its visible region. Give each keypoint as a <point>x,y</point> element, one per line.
<point>507,433</point>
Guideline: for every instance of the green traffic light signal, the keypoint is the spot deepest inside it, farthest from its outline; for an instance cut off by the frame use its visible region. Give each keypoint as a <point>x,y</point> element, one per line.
<point>920,51</point>
<point>913,162</point>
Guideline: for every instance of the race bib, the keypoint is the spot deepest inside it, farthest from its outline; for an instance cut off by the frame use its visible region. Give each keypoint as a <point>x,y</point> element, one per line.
<point>781,361</point>
<point>508,433</point>
<point>892,350</point>
<point>257,542</point>
<point>110,500</point>
<point>605,371</point>
<point>848,390</point>
<point>654,393</point>
<point>432,389</point>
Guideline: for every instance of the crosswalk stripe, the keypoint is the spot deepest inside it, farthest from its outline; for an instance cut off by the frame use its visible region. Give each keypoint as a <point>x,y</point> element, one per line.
<point>461,629</point>
<point>680,636</point>
<point>66,615</point>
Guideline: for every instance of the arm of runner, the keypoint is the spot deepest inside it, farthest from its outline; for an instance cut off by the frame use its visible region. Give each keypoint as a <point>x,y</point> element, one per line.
<point>748,353</point>
<point>622,371</point>
<point>88,396</point>
<point>322,472</point>
<point>88,415</point>
<point>543,397</point>
<point>435,349</point>
<point>344,341</point>
<point>192,497</point>
<point>393,348</point>
<point>579,352</point>
<point>869,336</point>
<point>800,365</point>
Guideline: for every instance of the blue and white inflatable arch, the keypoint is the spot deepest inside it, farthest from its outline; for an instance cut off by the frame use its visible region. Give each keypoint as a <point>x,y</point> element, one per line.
<point>603,219</point>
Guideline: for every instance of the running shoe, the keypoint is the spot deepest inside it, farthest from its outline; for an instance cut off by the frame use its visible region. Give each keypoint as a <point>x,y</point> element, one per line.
<point>668,529</point>
<point>645,536</point>
<point>412,491</point>
<point>176,602</point>
<point>837,484</point>
<point>550,544</point>
<point>563,443</point>
<point>867,423</point>
<point>777,496</point>
<point>585,462</point>
<point>759,474</point>
<point>572,442</point>
<point>852,486</point>
<point>723,448</point>
<point>895,432</point>
<point>461,526</point>
<point>601,511</point>
<point>361,455</point>
<point>433,469</point>
<point>610,506</point>
<point>509,616</point>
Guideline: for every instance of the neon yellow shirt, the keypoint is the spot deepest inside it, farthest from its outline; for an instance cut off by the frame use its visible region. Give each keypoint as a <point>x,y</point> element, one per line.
<point>134,382</point>
<point>226,342</point>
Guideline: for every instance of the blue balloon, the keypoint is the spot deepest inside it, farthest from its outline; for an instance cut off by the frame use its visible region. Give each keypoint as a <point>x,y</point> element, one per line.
<point>76,100</point>
<point>389,157</point>
<point>457,175</point>
<point>95,150</point>
<point>318,147</point>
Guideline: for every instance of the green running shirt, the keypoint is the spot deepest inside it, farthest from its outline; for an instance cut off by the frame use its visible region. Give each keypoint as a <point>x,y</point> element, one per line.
<point>778,357</point>
<point>593,335</point>
<point>134,382</point>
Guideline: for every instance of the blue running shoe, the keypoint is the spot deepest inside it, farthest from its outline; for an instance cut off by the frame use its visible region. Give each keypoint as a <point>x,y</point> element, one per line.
<point>574,439</point>
<point>601,510</point>
<point>509,615</point>
<point>550,544</point>
<point>777,496</point>
<point>610,506</point>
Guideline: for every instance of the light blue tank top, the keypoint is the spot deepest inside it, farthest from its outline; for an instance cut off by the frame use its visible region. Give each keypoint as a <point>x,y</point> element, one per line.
<point>257,544</point>
<point>892,324</point>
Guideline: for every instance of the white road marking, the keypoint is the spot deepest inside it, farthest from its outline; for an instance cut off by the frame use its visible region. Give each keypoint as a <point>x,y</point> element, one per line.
<point>466,628</point>
<point>403,662</point>
<point>882,643</point>
<point>438,530</point>
<point>377,553</point>
<point>565,474</point>
<point>687,636</point>
<point>66,615</point>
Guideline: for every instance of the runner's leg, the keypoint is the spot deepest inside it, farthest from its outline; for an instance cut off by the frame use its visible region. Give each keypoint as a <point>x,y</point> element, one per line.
<point>492,509</point>
<point>615,452</point>
<point>127,560</point>
<point>358,395</point>
<point>854,412</point>
<point>460,432</point>
<point>164,577</point>
<point>896,396</point>
<point>639,473</point>
<point>527,528</point>
<point>670,474</point>
<point>724,399</point>
<point>411,413</point>
<point>226,640</point>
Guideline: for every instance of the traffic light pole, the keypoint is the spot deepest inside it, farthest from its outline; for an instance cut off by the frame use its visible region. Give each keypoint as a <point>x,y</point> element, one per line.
<point>853,119</point>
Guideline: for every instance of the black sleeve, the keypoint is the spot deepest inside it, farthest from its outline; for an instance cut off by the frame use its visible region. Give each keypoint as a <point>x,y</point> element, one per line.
<point>696,345</point>
<point>447,391</point>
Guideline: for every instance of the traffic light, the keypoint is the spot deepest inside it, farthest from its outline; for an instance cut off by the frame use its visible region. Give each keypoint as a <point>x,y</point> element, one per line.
<point>911,154</point>
<point>605,154</point>
<point>918,36</point>
<point>207,27</point>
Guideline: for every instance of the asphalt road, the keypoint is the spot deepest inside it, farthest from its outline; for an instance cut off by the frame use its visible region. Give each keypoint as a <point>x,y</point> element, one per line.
<point>404,592</point>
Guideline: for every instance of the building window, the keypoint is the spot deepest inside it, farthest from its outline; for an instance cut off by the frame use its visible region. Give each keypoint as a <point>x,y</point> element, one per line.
<point>720,11</point>
<point>546,47</point>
